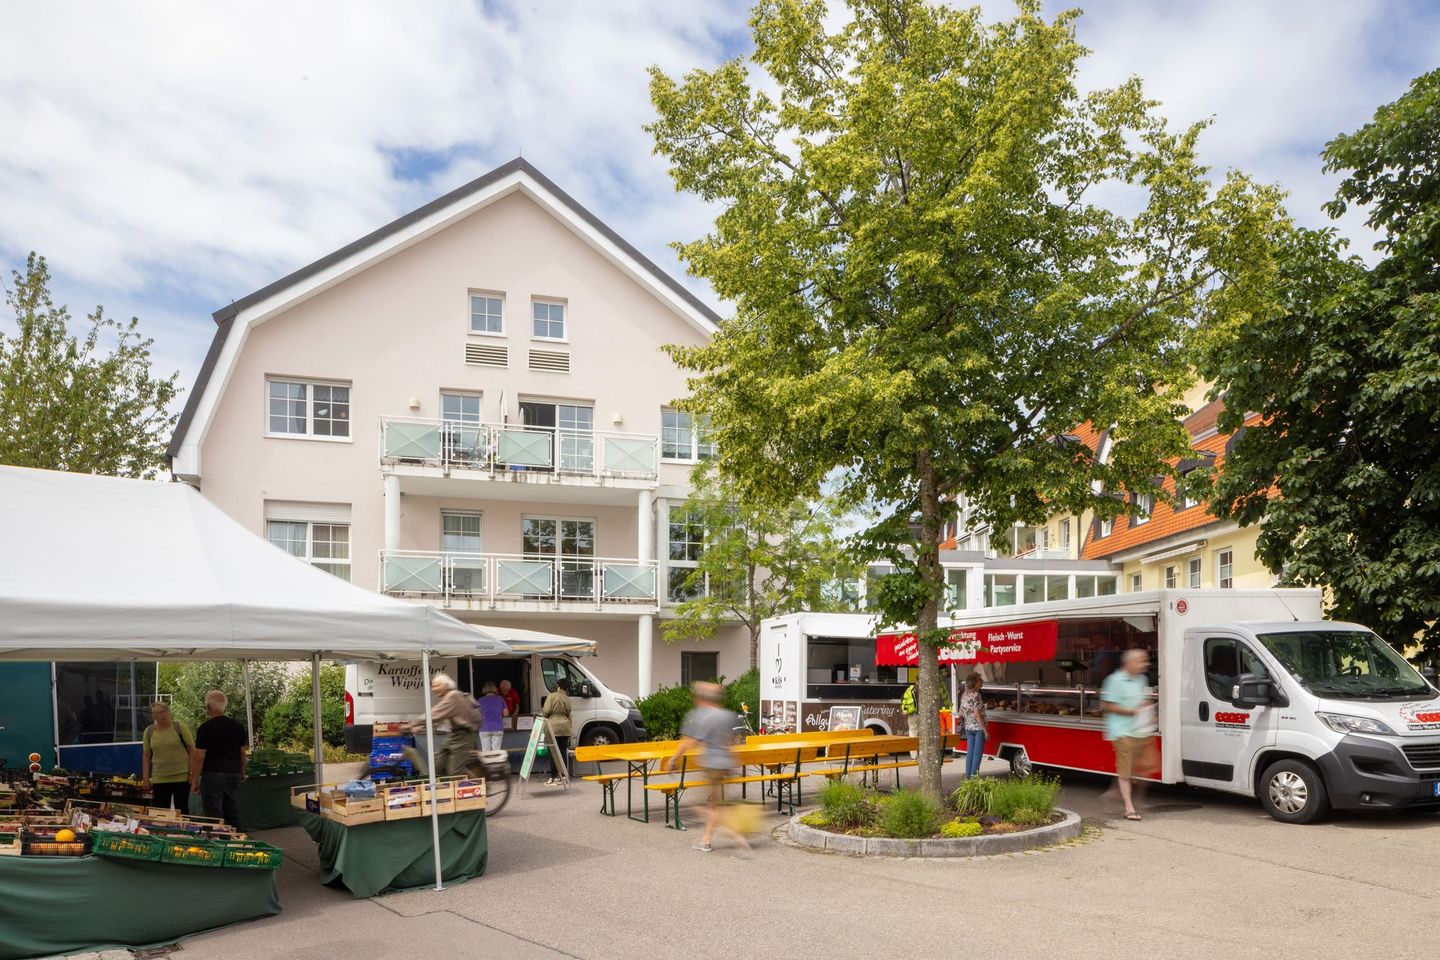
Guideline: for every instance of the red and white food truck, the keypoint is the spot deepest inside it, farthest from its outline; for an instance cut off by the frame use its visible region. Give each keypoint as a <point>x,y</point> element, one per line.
<point>1257,695</point>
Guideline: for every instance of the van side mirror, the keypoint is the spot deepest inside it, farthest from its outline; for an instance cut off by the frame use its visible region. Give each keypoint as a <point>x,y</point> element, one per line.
<point>587,689</point>
<point>1254,691</point>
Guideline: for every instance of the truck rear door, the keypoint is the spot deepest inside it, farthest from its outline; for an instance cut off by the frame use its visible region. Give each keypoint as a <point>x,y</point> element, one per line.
<point>1219,739</point>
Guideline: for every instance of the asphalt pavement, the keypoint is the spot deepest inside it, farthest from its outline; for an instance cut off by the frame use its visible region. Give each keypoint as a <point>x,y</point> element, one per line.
<point>1202,875</point>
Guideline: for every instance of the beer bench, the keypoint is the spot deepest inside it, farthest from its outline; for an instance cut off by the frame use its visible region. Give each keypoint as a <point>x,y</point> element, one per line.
<point>788,784</point>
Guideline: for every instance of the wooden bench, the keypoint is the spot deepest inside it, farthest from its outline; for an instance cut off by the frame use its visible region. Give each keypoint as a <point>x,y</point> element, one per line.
<point>869,756</point>
<point>788,783</point>
<point>635,768</point>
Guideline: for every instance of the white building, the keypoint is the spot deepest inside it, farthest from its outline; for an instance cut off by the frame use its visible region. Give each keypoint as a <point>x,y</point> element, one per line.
<point>470,407</point>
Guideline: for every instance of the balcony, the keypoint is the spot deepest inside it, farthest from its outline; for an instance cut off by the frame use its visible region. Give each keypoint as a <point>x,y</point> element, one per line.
<point>590,465</point>
<point>487,581</point>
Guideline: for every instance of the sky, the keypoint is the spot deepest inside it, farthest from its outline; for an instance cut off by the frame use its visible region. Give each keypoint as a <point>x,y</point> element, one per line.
<point>168,157</point>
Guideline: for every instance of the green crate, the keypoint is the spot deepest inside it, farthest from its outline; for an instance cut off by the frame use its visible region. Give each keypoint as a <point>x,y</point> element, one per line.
<point>192,852</point>
<point>252,855</point>
<point>268,756</point>
<point>130,846</point>
<point>263,768</point>
<point>294,758</point>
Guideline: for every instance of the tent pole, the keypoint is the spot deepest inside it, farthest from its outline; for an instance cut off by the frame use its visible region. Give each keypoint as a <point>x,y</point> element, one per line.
<point>430,766</point>
<point>249,707</point>
<point>315,716</point>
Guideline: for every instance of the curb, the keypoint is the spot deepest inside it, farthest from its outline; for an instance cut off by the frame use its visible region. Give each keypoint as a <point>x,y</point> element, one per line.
<point>1068,828</point>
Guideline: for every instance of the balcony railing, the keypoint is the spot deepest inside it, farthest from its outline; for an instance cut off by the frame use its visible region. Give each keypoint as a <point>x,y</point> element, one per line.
<point>514,449</point>
<point>488,577</point>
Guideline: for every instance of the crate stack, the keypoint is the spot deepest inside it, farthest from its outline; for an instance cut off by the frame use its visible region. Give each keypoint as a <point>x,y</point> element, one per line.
<point>387,749</point>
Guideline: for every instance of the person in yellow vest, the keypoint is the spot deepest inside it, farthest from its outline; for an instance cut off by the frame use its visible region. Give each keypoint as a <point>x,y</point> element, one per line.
<point>909,706</point>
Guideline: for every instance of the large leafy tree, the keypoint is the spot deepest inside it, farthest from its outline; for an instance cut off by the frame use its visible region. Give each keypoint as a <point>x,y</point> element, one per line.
<point>929,291</point>
<point>758,561</point>
<point>1343,468</point>
<point>86,403</point>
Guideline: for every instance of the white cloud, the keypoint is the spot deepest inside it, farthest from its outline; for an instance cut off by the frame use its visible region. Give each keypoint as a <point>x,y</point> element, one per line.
<point>170,156</point>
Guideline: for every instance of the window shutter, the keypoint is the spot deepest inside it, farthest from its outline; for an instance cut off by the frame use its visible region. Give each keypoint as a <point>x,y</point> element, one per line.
<point>301,512</point>
<point>550,361</point>
<point>487,355</point>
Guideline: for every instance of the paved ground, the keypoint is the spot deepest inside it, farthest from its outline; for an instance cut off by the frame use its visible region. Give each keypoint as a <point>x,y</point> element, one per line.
<point>1202,876</point>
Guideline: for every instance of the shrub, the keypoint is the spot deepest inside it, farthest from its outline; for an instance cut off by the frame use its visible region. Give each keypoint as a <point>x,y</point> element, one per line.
<point>1030,817</point>
<point>959,829</point>
<point>664,711</point>
<point>816,819</point>
<point>291,717</point>
<point>745,689</point>
<point>973,795</point>
<point>906,813</point>
<point>845,805</point>
<point>1036,793</point>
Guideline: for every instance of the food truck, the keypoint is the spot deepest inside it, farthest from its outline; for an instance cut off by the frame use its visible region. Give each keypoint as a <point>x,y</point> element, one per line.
<point>1257,695</point>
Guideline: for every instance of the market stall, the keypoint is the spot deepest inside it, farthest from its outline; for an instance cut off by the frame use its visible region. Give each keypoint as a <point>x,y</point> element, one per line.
<point>375,858</point>
<point>167,575</point>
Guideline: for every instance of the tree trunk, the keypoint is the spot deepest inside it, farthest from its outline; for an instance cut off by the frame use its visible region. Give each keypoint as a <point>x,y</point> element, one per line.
<point>754,626</point>
<point>927,686</point>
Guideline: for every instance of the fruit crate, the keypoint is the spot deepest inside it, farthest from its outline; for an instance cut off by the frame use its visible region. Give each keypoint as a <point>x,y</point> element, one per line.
<point>45,845</point>
<point>252,855</point>
<point>129,846</point>
<point>195,853</point>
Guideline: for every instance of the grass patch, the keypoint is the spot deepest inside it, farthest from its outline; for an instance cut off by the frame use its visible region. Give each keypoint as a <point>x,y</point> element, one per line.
<point>960,829</point>
<point>909,814</point>
<point>845,805</point>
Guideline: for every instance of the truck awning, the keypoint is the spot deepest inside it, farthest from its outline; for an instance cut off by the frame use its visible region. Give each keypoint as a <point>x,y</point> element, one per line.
<point>1007,643</point>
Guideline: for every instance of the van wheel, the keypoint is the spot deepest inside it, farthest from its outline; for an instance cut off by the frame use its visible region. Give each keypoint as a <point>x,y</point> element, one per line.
<point>1292,791</point>
<point>600,735</point>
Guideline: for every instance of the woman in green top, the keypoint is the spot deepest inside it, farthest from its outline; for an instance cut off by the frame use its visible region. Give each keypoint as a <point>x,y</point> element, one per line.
<point>165,763</point>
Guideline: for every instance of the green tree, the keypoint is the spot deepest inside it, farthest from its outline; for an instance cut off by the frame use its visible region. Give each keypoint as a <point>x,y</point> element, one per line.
<point>758,561</point>
<point>88,404</point>
<point>927,294</point>
<point>291,719</point>
<point>1343,468</point>
<point>188,682</point>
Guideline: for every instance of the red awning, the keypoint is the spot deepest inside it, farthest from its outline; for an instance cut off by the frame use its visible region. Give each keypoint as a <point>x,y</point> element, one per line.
<point>1009,643</point>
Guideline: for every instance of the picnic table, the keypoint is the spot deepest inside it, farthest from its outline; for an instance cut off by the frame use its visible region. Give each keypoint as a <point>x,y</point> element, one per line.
<point>851,749</point>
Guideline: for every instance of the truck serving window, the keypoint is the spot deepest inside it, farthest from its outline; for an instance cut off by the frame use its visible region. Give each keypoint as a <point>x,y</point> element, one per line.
<point>1345,664</point>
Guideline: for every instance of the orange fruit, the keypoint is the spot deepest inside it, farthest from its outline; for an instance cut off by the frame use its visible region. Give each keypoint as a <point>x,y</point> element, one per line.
<point>65,836</point>
<point>34,758</point>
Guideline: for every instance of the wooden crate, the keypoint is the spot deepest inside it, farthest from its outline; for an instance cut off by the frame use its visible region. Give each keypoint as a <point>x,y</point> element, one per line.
<point>401,800</point>
<point>352,813</point>
<point>469,794</point>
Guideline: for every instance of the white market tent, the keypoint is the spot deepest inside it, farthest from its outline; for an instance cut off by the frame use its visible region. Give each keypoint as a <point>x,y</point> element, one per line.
<point>534,641</point>
<point>104,568</point>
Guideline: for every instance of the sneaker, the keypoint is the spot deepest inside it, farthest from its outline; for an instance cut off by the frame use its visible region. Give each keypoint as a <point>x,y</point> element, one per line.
<point>702,846</point>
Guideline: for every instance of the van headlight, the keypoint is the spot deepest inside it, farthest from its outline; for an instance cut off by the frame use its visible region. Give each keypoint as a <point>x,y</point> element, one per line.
<point>625,704</point>
<point>1342,723</point>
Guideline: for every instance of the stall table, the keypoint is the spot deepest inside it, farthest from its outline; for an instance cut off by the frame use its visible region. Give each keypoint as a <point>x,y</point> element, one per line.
<point>374,858</point>
<point>51,905</point>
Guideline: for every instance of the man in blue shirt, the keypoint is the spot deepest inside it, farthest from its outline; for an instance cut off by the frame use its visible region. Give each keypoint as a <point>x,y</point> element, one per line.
<point>1125,696</point>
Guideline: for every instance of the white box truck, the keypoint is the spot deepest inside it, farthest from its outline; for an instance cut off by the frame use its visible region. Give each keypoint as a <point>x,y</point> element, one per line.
<point>376,692</point>
<point>1257,695</point>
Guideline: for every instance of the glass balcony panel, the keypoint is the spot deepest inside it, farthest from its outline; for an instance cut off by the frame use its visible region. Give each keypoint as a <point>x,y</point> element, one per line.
<point>525,448</point>
<point>630,455</point>
<point>413,574</point>
<point>629,582</point>
<point>412,441</point>
<point>531,578</point>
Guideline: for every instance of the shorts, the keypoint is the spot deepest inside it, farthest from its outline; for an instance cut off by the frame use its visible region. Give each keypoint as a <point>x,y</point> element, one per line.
<point>712,778</point>
<point>1136,757</point>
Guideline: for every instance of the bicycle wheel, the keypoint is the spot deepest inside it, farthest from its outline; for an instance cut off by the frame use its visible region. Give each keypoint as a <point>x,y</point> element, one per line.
<point>497,784</point>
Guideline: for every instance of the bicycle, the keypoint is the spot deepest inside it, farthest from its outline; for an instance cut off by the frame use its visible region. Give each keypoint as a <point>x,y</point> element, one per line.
<point>493,767</point>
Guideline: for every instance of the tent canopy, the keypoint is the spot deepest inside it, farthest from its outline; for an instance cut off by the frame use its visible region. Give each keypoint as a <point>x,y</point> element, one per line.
<point>103,568</point>
<point>534,641</point>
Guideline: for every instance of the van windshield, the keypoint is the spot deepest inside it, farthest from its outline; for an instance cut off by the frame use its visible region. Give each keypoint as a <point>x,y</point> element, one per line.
<point>1345,664</point>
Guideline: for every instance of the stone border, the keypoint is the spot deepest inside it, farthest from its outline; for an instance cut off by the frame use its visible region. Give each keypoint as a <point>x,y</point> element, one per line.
<point>1068,828</point>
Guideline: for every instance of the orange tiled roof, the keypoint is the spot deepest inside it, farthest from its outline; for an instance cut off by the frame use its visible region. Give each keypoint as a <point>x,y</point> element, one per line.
<point>1166,520</point>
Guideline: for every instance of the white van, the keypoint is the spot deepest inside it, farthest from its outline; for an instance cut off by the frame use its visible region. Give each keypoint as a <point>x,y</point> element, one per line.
<point>378,692</point>
<point>1257,694</point>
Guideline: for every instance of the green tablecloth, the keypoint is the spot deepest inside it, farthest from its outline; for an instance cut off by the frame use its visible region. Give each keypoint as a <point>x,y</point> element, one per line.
<point>52,905</point>
<point>264,801</point>
<point>376,858</point>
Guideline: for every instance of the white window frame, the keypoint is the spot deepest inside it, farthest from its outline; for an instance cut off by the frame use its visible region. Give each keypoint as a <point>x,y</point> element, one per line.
<point>479,524</point>
<point>1136,582</point>
<point>1225,560</point>
<point>309,556</point>
<point>695,429</point>
<point>476,395</point>
<point>672,564</point>
<point>1107,527</point>
<point>310,384</point>
<point>1172,577</point>
<point>470,313</point>
<point>1146,503</point>
<point>1193,569</point>
<point>1065,534</point>
<point>564,305</point>
<point>1187,498</point>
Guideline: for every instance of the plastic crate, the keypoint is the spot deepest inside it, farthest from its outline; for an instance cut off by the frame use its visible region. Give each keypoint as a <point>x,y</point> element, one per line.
<point>194,853</point>
<point>252,855</point>
<point>45,845</point>
<point>128,846</point>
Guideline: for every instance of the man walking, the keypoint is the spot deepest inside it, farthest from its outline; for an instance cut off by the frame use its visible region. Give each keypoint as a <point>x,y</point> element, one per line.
<point>1125,697</point>
<point>217,764</point>
<point>456,714</point>
<point>710,728</point>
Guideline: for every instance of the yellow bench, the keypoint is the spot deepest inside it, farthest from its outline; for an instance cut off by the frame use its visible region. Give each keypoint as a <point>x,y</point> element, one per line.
<point>788,783</point>
<point>863,752</point>
<point>635,769</point>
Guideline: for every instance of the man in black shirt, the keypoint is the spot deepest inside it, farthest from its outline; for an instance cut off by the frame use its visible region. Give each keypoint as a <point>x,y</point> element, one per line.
<point>221,748</point>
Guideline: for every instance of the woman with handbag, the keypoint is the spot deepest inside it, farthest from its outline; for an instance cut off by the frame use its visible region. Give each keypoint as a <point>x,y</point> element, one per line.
<point>165,760</point>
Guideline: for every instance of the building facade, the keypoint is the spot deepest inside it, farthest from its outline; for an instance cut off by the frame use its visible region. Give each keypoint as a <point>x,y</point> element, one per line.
<point>471,408</point>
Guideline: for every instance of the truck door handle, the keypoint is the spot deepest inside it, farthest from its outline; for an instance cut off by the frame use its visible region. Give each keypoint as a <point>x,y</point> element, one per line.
<point>1204,710</point>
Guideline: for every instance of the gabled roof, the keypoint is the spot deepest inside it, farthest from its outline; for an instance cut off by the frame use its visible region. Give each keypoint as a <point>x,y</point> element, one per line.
<point>1168,520</point>
<point>434,216</point>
